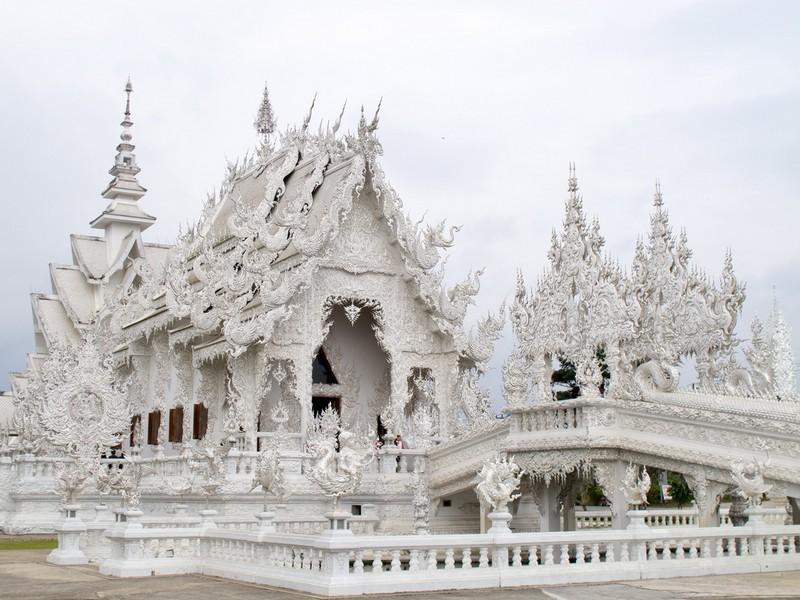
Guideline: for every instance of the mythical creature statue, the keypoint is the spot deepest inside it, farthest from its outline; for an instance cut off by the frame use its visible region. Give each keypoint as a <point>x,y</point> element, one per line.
<point>636,486</point>
<point>209,463</point>
<point>749,479</point>
<point>497,481</point>
<point>269,475</point>
<point>337,473</point>
<point>125,477</point>
<point>657,376</point>
<point>71,478</point>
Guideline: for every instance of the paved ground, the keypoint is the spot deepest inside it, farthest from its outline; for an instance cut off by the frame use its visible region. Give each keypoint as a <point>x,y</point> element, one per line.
<point>24,575</point>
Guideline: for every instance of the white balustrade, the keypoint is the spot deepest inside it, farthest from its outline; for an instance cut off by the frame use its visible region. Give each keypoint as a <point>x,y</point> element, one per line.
<point>598,518</point>
<point>771,515</point>
<point>327,565</point>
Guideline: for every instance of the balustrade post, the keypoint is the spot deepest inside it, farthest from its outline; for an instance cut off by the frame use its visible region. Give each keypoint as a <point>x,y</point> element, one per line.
<point>69,533</point>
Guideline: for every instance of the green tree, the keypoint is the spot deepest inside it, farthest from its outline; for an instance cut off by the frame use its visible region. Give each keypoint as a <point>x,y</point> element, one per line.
<point>564,384</point>
<point>679,490</point>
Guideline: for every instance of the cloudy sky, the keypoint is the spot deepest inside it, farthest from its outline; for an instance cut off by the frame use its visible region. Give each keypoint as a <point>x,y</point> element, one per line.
<point>485,104</point>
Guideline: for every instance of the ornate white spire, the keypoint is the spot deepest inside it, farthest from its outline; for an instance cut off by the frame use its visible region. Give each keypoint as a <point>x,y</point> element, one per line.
<point>123,214</point>
<point>781,354</point>
<point>265,119</point>
<point>265,125</point>
<point>125,168</point>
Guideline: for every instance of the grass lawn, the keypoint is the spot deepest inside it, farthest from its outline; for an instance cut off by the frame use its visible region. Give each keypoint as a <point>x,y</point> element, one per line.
<point>28,543</point>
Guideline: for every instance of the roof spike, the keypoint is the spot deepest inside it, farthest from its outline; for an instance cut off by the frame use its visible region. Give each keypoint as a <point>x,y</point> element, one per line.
<point>374,125</point>
<point>310,111</point>
<point>338,122</point>
<point>658,199</point>
<point>572,182</point>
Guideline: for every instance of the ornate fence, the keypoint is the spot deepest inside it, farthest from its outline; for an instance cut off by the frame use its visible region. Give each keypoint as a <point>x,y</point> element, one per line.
<point>331,565</point>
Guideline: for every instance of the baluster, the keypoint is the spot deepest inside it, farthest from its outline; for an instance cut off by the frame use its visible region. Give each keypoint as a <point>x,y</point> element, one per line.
<point>579,558</point>
<point>610,552</point>
<point>680,550</point>
<point>449,561</point>
<point>792,547</point>
<point>413,561</point>
<point>693,548</point>
<point>564,558</point>
<point>377,562</point>
<point>396,561</point>
<point>595,553</point>
<point>466,558</point>
<point>483,561</point>
<point>731,546</point>
<point>548,554</point>
<point>432,562</point>
<point>651,551</point>
<point>358,564</point>
<point>745,546</point>
<point>516,558</point>
<point>403,463</point>
<point>533,559</point>
<point>781,544</point>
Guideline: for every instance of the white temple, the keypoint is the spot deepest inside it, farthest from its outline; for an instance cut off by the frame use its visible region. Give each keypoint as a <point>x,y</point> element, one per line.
<point>298,340</point>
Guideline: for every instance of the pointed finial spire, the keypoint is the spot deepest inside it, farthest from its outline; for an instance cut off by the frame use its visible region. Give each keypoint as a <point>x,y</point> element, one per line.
<point>124,188</point>
<point>658,200</point>
<point>265,119</point>
<point>572,183</point>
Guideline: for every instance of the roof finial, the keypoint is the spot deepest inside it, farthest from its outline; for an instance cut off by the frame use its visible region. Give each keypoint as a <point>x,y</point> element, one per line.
<point>265,119</point>
<point>572,185</point>
<point>124,189</point>
<point>658,200</point>
<point>125,168</point>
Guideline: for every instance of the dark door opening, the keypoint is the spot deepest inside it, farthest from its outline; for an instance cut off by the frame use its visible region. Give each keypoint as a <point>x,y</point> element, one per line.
<point>320,403</point>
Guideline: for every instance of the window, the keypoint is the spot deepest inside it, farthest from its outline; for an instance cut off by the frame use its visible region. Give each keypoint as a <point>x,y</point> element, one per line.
<point>355,510</point>
<point>176,424</point>
<point>136,423</point>
<point>153,423</point>
<point>447,503</point>
<point>200,421</point>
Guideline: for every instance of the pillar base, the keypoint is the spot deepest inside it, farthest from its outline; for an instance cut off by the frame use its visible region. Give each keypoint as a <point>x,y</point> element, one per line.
<point>266,522</point>
<point>338,523</point>
<point>500,521</point>
<point>636,520</point>
<point>69,536</point>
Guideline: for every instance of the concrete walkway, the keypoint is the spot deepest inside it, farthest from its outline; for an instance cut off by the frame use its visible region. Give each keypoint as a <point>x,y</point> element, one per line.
<point>24,575</point>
